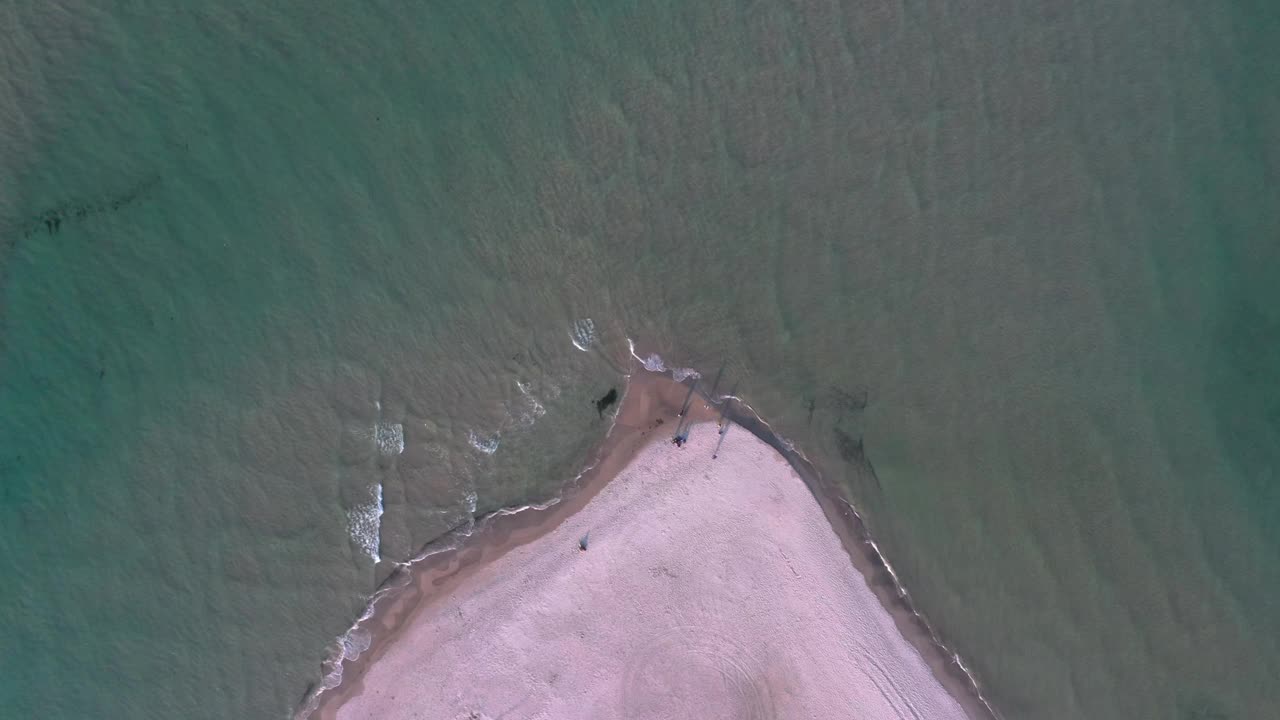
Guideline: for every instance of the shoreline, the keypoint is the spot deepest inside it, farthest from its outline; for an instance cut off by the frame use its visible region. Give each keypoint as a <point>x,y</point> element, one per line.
<point>647,414</point>
<point>866,557</point>
<point>646,396</point>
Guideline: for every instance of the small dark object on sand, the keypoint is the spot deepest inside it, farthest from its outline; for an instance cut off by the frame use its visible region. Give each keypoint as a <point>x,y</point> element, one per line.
<point>609,398</point>
<point>582,542</point>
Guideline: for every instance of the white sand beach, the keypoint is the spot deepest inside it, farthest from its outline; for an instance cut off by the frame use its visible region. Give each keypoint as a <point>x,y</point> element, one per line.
<point>711,588</point>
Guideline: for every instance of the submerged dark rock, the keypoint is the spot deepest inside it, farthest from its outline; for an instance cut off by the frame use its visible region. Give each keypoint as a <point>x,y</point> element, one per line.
<point>848,400</point>
<point>850,448</point>
<point>609,398</point>
<point>52,218</point>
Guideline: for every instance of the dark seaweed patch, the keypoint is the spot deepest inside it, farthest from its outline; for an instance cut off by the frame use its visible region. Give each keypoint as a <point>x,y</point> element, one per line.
<point>852,452</point>
<point>846,400</point>
<point>50,221</point>
<point>609,398</point>
<point>850,448</point>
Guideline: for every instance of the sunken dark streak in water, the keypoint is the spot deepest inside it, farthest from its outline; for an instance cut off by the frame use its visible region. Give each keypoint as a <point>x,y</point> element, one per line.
<point>847,401</point>
<point>849,405</point>
<point>50,221</point>
<point>853,453</point>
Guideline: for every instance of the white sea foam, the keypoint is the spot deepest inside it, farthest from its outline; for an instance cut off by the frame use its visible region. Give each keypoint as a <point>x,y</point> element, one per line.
<point>357,639</point>
<point>355,642</point>
<point>682,374</point>
<point>451,539</point>
<point>350,646</point>
<point>487,444</point>
<point>583,334</point>
<point>389,437</point>
<point>653,362</point>
<point>364,522</point>
<point>532,410</point>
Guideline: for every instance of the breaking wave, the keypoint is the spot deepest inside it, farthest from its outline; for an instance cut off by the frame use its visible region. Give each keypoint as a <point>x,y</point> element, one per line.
<point>521,415</point>
<point>389,437</point>
<point>357,639</point>
<point>487,444</point>
<point>364,522</point>
<point>533,409</point>
<point>583,335</point>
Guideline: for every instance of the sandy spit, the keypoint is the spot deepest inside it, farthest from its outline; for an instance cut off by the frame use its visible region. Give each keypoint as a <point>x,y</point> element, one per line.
<point>711,588</point>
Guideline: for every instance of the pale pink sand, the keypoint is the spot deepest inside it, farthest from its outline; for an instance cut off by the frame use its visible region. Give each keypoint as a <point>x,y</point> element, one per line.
<point>711,589</point>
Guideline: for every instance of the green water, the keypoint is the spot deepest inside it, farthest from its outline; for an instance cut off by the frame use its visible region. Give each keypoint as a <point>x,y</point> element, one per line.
<point>259,263</point>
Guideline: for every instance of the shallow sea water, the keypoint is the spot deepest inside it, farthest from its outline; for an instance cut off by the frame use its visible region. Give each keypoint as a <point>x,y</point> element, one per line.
<point>287,289</point>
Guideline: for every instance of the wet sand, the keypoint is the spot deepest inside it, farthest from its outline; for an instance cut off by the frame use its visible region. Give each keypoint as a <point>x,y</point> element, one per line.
<point>710,588</point>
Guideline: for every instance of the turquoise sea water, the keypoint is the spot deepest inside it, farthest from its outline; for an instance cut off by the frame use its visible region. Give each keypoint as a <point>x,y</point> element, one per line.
<point>287,289</point>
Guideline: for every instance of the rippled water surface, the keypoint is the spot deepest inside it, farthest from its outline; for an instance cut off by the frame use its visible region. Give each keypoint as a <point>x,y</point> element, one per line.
<point>290,291</point>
